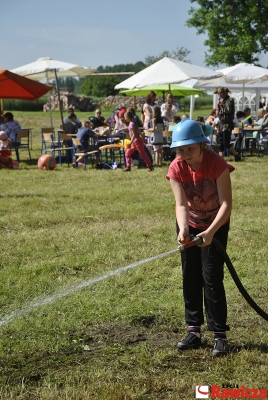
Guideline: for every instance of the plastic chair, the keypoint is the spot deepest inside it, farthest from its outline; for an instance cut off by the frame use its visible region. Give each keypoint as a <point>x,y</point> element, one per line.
<point>64,145</point>
<point>78,153</point>
<point>24,135</point>
<point>48,143</point>
<point>251,141</point>
<point>47,138</point>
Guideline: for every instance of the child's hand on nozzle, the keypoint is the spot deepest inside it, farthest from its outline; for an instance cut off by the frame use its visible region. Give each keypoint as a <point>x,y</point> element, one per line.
<point>183,238</point>
<point>206,237</point>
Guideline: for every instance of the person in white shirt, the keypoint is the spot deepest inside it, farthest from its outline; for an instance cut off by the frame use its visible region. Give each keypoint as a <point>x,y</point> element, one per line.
<point>170,100</point>
<point>168,114</point>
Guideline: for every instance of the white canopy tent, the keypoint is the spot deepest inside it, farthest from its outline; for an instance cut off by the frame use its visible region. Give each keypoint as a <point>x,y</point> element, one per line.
<point>168,71</point>
<point>241,77</point>
<point>250,97</point>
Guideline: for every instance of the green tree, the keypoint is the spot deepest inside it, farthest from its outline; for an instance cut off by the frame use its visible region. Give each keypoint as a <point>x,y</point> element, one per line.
<point>137,67</point>
<point>179,54</point>
<point>237,30</point>
<point>103,86</point>
<point>99,86</point>
<point>70,84</point>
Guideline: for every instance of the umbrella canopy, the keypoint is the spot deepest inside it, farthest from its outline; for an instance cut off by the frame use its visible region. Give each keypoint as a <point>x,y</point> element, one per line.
<point>47,67</point>
<point>13,86</point>
<point>242,73</point>
<point>167,71</point>
<point>241,76</point>
<point>176,90</point>
<point>44,67</point>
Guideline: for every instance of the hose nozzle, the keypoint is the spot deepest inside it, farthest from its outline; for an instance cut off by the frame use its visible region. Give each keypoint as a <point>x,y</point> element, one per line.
<point>195,241</point>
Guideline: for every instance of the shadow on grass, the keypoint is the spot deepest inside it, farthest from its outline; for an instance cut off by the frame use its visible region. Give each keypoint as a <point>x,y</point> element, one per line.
<point>262,347</point>
<point>20,196</point>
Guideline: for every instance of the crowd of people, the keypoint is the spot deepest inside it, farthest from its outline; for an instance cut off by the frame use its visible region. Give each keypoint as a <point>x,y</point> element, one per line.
<point>224,119</point>
<point>149,127</point>
<point>146,130</point>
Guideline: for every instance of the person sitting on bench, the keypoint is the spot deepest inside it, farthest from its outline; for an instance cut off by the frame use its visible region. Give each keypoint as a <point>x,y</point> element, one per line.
<point>84,134</point>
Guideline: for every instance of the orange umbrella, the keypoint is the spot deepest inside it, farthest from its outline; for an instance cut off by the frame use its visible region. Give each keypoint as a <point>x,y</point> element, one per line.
<point>14,86</point>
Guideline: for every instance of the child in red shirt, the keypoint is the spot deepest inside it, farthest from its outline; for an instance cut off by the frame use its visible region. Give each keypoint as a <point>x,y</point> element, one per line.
<point>200,181</point>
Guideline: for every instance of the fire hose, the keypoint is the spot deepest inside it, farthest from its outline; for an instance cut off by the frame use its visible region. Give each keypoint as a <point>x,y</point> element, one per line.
<point>196,241</point>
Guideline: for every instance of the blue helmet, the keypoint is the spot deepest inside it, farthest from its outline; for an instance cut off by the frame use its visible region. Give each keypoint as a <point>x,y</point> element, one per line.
<point>188,132</point>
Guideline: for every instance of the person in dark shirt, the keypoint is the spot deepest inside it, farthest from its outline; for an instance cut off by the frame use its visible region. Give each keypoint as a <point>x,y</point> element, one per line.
<point>70,126</point>
<point>98,120</point>
<point>226,110</point>
<point>66,119</point>
<point>84,134</point>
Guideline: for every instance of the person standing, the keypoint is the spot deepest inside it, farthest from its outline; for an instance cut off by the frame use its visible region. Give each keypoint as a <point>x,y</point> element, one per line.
<point>201,184</point>
<point>226,110</point>
<point>148,110</point>
<point>157,135</point>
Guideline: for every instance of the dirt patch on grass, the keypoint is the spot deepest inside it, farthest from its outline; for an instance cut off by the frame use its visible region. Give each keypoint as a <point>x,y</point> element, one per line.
<point>139,330</point>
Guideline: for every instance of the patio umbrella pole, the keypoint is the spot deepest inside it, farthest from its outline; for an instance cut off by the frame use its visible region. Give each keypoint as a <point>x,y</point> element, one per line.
<point>243,97</point>
<point>2,105</point>
<point>58,91</point>
<point>192,99</point>
<point>49,104</point>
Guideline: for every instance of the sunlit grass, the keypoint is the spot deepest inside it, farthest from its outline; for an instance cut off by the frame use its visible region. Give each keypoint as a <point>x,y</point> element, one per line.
<point>116,339</point>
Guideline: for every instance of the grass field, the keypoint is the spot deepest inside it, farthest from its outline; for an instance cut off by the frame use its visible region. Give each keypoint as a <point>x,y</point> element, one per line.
<point>114,337</point>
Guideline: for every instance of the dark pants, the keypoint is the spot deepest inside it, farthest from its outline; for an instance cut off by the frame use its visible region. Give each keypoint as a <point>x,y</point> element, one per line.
<point>224,138</point>
<point>202,271</point>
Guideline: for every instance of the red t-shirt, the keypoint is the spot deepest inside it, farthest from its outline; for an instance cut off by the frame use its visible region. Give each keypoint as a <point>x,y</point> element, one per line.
<point>200,187</point>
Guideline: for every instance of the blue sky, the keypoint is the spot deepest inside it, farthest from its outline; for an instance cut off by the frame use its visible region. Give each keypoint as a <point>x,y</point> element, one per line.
<point>94,33</point>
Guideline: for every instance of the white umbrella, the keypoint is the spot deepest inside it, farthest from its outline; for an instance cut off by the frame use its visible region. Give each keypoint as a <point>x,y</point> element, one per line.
<point>44,68</point>
<point>239,76</point>
<point>49,68</point>
<point>167,71</point>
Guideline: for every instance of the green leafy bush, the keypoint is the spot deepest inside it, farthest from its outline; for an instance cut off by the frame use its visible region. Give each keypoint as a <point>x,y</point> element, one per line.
<point>24,105</point>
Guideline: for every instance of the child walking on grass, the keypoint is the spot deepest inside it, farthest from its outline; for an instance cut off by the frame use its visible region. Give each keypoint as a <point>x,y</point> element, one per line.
<point>136,143</point>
